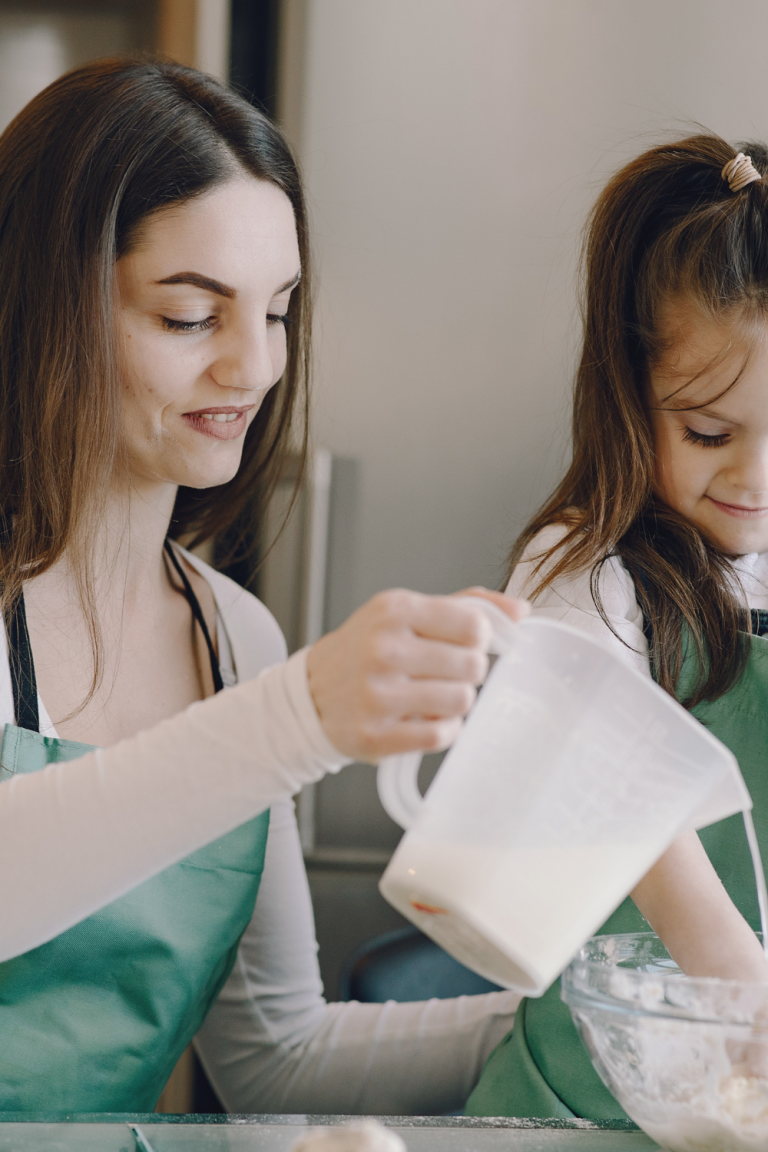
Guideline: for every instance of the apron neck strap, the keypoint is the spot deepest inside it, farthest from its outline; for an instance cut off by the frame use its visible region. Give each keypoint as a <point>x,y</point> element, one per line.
<point>22,666</point>
<point>23,679</point>
<point>194,604</point>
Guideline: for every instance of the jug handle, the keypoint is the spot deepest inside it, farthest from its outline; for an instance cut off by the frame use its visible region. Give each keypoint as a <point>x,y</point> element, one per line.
<point>397,776</point>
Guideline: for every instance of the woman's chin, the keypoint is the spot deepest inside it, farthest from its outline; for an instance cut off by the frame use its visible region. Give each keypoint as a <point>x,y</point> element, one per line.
<point>186,473</point>
<point>206,478</point>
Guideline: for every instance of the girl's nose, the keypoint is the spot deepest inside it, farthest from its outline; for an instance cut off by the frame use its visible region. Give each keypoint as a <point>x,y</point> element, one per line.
<point>246,362</point>
<point>750,471</point>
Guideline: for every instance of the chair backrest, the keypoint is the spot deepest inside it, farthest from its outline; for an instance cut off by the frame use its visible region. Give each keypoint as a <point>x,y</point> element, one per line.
<point>406,965</point>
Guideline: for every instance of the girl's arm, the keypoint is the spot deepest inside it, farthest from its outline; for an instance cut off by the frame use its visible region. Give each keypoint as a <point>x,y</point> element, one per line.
<point>682,896</point>
<point>684,901</point>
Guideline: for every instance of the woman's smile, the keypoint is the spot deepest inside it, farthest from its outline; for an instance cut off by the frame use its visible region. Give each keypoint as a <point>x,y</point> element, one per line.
<point>224,422</point>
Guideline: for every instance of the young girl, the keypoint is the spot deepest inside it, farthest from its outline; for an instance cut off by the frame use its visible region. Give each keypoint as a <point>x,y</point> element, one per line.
<point>154,327</point>
<point>656,541</point>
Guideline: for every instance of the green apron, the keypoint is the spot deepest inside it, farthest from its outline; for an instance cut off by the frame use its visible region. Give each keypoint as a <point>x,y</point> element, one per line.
<point>95,1020</point>
<point>541,1068</point>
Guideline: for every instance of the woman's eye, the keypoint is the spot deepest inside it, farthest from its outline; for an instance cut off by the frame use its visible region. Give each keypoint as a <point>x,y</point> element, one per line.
<point>273,318</point>
<point>705,441</point>
<point>188,325</point>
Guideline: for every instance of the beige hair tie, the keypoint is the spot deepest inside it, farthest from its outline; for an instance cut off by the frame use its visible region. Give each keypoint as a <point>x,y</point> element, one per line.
<point>739,172</point>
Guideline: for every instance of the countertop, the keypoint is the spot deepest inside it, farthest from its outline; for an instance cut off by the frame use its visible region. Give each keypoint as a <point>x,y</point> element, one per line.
<point>110,1133</point>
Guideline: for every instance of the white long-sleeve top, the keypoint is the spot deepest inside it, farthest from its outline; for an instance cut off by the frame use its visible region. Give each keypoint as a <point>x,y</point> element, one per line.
<point>270,1043</point>
<point>75,836</point>
<point>569,599</point>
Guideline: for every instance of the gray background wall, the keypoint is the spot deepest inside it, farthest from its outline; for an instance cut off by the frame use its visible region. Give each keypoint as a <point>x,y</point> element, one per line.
<point>452,150</point>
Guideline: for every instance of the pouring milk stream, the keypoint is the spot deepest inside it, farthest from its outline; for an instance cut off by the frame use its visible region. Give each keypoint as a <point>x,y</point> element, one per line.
<point>570,778</point>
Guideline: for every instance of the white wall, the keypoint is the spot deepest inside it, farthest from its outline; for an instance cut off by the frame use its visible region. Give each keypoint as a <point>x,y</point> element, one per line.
<point>452,149</point>
<point>37,45</point>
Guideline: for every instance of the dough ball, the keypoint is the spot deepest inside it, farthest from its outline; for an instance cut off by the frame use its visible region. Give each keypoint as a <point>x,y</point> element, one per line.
<point>365,1137</point>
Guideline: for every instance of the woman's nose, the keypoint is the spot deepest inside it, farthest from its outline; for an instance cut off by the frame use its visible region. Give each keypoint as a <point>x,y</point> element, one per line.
<point>246,362</point>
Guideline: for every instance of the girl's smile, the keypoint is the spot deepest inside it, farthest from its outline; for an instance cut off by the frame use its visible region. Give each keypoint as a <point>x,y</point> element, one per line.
<point>709,412</point>
<point>738,510</point>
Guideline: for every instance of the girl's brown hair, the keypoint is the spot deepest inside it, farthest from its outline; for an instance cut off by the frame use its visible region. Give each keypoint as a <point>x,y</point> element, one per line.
<point>666,226</point>
<point>81,167</point>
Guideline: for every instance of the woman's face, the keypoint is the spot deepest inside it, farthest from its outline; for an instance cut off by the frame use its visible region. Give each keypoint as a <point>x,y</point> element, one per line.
<point>709,411</point>
<point>202,296</point>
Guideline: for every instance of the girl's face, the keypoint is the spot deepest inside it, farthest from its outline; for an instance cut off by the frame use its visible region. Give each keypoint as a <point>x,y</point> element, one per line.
<point>712,449</point>
<point>202,296</point>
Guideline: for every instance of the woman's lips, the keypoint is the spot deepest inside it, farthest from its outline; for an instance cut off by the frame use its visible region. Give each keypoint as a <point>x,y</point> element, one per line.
<point>223,423</point>
<point>739,510</point>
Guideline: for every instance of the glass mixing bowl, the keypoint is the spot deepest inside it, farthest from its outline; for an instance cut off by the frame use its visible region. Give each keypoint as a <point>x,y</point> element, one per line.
<point>686,1058</point>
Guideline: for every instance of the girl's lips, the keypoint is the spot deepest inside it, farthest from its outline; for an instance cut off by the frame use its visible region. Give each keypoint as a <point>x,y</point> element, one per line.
<point>739,510</point>
<point>222,423</point>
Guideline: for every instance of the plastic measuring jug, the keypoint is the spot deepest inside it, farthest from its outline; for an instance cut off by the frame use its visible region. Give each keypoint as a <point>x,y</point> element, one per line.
<point>570,778</point>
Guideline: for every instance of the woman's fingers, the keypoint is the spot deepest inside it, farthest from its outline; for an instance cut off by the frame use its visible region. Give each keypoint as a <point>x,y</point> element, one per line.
<point>400,674</point>
<point>405,698</point>
<point>409,736</point>
<point>418,657</point>
<point>514,608</point>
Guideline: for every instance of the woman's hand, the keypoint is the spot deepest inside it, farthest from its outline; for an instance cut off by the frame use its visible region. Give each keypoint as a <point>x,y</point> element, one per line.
<point>401,673</point>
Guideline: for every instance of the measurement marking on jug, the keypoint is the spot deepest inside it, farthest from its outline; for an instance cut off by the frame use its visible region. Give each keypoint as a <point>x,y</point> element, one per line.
<point>432,909</point>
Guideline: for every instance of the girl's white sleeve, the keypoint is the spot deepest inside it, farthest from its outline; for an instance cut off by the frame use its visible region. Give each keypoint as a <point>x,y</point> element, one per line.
<point>75,836</point>
<point>570,599</point>
<point>272,1044</point>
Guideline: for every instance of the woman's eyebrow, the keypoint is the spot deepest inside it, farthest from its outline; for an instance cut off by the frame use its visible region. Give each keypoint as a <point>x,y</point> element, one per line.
<point>197,280</point>
<point>290,283</point>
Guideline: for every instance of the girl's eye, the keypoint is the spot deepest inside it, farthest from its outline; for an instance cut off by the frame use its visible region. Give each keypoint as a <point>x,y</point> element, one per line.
<point>705,441</point>
<point>273,318</point>
<point>188,325</point>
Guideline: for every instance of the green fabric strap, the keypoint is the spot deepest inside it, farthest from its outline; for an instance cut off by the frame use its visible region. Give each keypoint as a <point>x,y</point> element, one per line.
<point>95,1020</point>
<point>541,1069</point>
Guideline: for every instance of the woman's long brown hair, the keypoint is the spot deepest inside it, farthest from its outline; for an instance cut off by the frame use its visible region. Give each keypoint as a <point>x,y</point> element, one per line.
<point>666,226</point>
<point>81,167</point>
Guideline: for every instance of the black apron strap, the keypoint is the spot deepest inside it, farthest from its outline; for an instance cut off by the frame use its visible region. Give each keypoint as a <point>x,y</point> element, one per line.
<point>22,665</point>
<point>218,683</point>
<point>23,679</point>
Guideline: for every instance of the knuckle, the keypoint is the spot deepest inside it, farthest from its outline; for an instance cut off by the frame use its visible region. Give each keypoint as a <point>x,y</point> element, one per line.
<point>369,741</point>
<point>396,604</point>
<point>477,667</point>
<point>387,651</point>
<point>372,698</point>
<point>446,732</point>
<point>432,737</point>
<point>468,697</point>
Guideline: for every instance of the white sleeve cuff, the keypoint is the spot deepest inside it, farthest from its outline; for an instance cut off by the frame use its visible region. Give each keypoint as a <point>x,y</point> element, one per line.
<point>318,746</point>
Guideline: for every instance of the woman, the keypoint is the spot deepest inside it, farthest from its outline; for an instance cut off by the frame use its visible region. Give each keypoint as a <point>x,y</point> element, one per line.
<point>153,253</point>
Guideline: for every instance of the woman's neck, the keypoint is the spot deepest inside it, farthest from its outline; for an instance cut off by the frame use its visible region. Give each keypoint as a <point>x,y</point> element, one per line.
<point>150,662</point>
<point>128,549</point>
<point>125,548</point>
